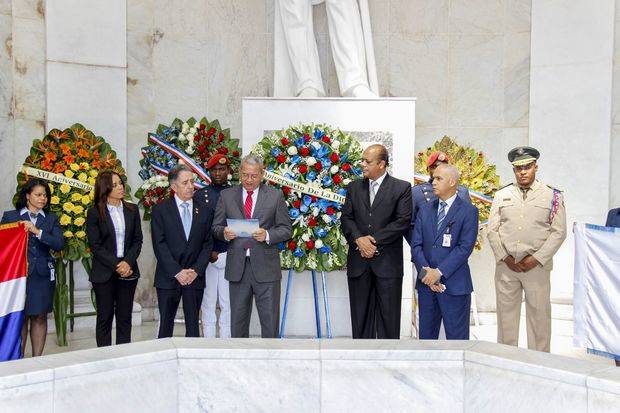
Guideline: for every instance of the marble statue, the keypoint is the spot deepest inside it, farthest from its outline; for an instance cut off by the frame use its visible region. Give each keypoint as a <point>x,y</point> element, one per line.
<point>296,60</point>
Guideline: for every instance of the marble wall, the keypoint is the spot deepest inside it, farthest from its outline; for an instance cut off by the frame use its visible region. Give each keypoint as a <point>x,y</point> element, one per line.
<point>197,375</point>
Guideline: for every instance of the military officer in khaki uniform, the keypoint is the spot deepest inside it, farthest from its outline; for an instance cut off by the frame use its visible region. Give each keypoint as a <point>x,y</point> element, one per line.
<point>527,225</point>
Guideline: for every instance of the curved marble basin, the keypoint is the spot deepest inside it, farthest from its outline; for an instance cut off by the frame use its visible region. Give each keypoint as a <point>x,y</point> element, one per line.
<point>193,375</point>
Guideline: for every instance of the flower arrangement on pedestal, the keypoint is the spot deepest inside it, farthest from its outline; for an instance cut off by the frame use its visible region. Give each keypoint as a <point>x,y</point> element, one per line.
<point>192,142</point>
<point>312,164</point>
<point>70,160</point>
<point>477,175</point>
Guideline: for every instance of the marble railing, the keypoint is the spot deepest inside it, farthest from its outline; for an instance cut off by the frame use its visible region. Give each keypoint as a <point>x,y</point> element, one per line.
<point>188,375</point>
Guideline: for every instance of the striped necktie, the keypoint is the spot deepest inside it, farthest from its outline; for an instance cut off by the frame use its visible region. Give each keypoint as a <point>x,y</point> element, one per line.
<point>442,214</point>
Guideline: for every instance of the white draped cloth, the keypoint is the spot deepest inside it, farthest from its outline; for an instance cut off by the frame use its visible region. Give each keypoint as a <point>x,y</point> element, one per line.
<point>596,301</point>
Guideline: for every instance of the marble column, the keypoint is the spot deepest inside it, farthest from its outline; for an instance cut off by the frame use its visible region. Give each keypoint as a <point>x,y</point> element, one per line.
<point>570,112</point>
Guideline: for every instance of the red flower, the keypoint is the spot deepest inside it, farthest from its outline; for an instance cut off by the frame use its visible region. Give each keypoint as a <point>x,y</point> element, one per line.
<point>281,158</point>
<point>318,166</point>
<point>306,137</point>
<point>160,191</point>
<point>292,245</point>
<point>235,153</point>
<point>334,157</point>
<point>223,150</point>
<point>313,198</point>
<point>330,210</point>
<point>310,244</point>
<point>202,148</point>
<point>297,203</point>
<point>196,138</point>
<point>303,169</point>
<point>286,190</point>
<point>337,179</point>
<point>210,132</point>
<point>284,141</point>
<point>312,222</point>
<point>220,137</point>
<point>326,139</point>
<point>304,151</point>
<point>202,126</point>
<point>346,167</point>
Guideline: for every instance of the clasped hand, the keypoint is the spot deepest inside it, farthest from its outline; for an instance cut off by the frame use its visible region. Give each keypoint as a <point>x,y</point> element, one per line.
<point>367,246</point>
<point>123,269</point>
<point>186,276</point>
<point>527,263</point>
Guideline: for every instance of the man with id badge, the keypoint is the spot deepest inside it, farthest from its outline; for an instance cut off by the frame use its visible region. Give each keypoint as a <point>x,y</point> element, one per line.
<point>444,236</point>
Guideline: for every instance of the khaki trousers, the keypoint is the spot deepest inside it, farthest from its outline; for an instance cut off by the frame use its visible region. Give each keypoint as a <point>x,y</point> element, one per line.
<point>509,288</point>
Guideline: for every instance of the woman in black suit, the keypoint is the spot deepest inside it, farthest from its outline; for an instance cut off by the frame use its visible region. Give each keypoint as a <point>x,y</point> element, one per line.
<point>44,235</point>
<point>115,238</point>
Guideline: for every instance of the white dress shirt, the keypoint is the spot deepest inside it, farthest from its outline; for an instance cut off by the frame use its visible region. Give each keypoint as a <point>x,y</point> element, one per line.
<point>118,221</point>
<point>449,203</point>
<point>33,220</point>
<point>181,209</point>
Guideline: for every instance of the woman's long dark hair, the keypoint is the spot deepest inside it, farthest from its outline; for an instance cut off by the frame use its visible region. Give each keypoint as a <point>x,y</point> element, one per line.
<point>22,201</point>
<point>103,187</point>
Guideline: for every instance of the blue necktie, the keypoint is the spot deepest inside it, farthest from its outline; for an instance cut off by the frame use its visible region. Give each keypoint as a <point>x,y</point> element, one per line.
<point>187,219</point>
<point>442,214</point>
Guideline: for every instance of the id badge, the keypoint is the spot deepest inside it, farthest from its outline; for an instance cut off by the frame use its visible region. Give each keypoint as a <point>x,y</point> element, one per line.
<point>447,240</point>
<point>52,271</point>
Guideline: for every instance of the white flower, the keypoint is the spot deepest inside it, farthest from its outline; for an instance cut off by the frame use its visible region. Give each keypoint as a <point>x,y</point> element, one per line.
<point>182,137</point>
<point>189,150</point>
<point>316,145</point>
<point>305,237</point>
<point>315,212</point>
<point>292,150</point>
<point>192,131</point>
<point>336,145</point>
<point>326,219</point>
<point>310,161</point>
<point>318,244</point>
<point>334,169</point>
<point>346,181</point>
<point>185,127</point>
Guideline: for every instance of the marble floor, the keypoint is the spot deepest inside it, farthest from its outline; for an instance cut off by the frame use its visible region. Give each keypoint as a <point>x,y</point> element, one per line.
<point>85,339</point>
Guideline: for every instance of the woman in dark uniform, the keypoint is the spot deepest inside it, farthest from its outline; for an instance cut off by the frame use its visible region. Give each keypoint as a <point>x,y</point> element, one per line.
<point>115,238</point>
<point>45,234</point>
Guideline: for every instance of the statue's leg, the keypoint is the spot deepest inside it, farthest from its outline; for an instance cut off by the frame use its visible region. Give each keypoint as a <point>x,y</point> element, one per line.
<point>301,44</point>
<point>347,42</point>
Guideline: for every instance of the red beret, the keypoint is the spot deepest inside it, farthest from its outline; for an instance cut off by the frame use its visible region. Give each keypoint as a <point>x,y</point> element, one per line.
<point>437,156</point>
<point>217,158</point>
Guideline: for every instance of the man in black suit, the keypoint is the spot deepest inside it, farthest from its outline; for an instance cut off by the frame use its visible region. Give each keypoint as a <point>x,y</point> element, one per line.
<point>375,217</point>
<point>182,241</point>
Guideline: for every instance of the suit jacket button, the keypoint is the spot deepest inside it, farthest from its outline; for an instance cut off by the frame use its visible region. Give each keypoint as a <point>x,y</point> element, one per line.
<point>370,214</point>
<point>369,226</point>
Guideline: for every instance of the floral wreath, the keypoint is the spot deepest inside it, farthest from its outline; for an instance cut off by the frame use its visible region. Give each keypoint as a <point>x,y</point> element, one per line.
<point>70,160</point>
<point>477,175</point>
<point>191,142</point>
<point>312,164</point>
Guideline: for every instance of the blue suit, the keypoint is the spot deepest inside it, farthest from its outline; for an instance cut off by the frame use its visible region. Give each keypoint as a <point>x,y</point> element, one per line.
<point>427,250</point>
<point>613,218</point>
<point>39,283</point>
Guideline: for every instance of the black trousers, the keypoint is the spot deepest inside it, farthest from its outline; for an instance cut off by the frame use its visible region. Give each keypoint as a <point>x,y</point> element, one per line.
<point>267,296</point>
<point>114,298</point>
<point>375,306</point>
<point>168,301</point>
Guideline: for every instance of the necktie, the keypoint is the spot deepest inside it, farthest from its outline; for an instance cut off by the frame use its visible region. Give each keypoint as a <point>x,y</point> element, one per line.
<point>248,205</point>
<point>33,215</point>
<point>186,218</point>
<point>524,190</point>
<point>373,191</point>
<point>442,214</point>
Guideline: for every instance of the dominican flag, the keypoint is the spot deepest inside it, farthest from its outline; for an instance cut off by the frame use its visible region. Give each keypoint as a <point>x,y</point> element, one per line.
<point>13,270</point>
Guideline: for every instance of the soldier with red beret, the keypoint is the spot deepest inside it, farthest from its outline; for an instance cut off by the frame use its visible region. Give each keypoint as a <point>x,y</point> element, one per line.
<point>216,289</point>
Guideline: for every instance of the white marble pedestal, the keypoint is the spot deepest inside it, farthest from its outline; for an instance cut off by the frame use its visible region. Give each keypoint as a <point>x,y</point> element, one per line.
<point>390,122</point>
